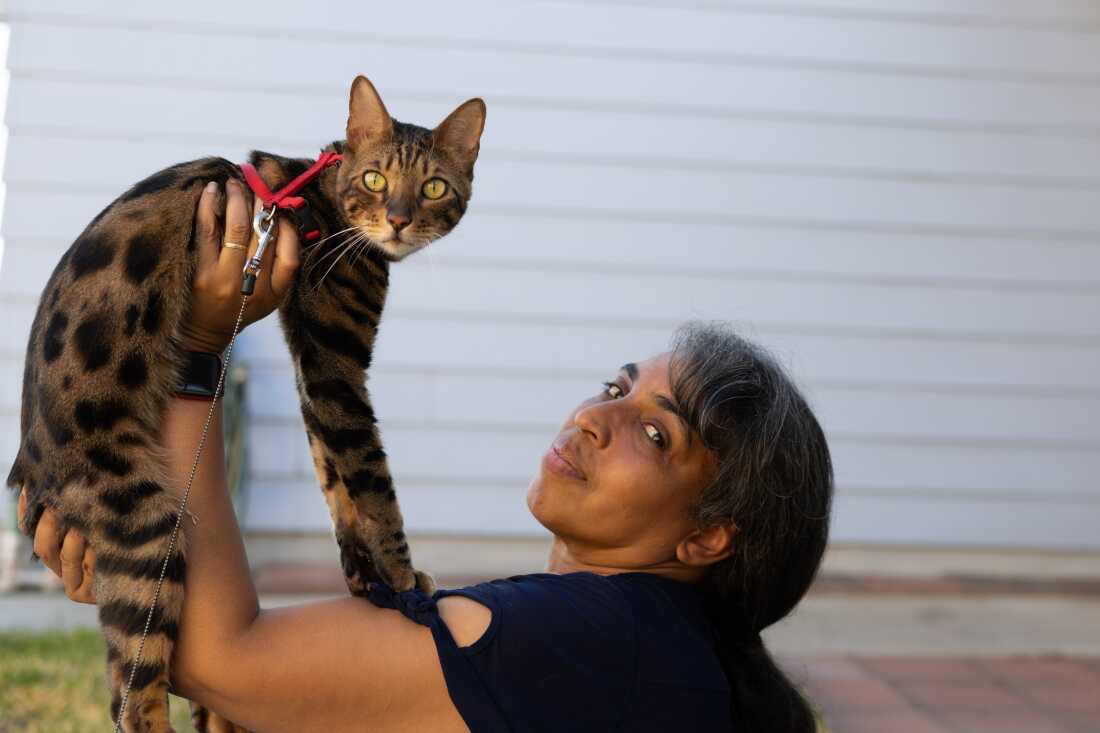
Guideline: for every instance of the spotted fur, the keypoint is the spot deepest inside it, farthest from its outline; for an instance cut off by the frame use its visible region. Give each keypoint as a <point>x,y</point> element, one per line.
<point>96,381</point>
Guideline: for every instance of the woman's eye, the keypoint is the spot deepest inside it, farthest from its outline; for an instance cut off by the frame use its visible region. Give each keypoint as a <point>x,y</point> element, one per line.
<point>655,435</point>
<point>612,390</point>
<point>374,181</point>
<point>434,188</point>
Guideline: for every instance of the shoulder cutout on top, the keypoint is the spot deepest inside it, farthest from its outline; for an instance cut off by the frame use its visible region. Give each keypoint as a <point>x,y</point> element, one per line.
<point>466,619</point>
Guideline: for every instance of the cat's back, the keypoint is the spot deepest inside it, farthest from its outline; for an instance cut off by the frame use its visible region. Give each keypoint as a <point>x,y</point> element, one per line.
<point>97,361</point>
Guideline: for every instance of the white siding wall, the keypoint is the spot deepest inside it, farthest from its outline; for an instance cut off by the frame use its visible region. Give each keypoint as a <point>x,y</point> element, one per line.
<point>901,197</point>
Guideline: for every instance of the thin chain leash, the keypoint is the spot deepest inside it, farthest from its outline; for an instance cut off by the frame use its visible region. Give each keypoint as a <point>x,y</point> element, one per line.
<point>264,223</point>
<point>179,517</point>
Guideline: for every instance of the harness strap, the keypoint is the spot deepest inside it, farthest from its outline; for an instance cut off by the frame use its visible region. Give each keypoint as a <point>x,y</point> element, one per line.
<point>285,197</point>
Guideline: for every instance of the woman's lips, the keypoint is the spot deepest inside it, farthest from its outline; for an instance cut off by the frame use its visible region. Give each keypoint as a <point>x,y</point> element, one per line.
<point>559,461</point>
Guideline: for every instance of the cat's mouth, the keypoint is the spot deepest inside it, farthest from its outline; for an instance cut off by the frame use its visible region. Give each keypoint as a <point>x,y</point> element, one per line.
<point>398,247</point>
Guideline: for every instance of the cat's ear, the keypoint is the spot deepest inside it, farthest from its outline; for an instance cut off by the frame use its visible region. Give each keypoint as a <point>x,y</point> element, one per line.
<point>459,136</point>
<point>368,119</point>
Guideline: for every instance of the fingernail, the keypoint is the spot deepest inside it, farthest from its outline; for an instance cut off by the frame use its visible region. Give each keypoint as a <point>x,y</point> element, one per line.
<point>211,187</point>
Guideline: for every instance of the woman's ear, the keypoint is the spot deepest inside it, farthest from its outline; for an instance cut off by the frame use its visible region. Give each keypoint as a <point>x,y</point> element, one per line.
<point>707,546</point>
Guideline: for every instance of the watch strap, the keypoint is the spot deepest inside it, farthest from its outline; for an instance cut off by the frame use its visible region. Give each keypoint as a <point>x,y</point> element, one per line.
<point>199,375</point>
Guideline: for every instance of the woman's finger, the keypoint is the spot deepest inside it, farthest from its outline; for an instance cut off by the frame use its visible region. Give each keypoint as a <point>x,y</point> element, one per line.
<point>207,230</point>
<point>86,592</point>
<point>285,262</point>
<point>72,562</point>
<point>21,512</point>
<point>237,245</point>
<point>47,542</point>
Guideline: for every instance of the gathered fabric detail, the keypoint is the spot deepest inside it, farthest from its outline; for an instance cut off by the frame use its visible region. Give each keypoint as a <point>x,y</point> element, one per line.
<point>414,604</point>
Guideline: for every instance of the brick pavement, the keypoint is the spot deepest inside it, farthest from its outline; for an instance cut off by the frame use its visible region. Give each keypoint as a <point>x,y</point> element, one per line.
<point>880,694</point>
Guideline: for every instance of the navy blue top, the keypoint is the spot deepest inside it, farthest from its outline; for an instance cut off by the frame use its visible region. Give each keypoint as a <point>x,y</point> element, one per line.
<point>580,652</point>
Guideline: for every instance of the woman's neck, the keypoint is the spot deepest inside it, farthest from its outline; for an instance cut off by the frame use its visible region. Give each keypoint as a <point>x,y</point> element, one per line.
<point>565,558</point>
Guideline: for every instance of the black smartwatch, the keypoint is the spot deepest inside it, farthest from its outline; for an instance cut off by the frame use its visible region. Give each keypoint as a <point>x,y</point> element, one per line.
<point>199,376</point>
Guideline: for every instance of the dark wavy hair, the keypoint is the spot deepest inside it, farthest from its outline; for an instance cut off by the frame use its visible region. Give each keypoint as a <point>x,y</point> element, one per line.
<point>775,484</point>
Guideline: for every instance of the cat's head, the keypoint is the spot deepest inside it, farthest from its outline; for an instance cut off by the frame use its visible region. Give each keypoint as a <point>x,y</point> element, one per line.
<point>401,185</point>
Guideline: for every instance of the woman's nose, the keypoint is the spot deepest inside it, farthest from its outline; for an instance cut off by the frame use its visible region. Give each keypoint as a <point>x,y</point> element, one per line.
<point>591,419</point>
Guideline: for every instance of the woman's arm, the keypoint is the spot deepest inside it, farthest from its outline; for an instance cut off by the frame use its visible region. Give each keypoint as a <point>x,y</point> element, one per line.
<point>338,665</point>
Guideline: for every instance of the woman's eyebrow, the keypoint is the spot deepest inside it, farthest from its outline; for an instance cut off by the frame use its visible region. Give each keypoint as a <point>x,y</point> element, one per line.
<point>631,370</point>
<point>666,404</point>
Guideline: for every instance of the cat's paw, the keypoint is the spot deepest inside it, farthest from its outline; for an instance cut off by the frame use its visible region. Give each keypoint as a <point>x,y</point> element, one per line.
<point>424,582</point>
<point>359,569</point>
<point>366,562</point>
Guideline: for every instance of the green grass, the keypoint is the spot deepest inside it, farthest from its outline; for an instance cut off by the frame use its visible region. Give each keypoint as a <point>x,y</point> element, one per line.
<point>56,683</point>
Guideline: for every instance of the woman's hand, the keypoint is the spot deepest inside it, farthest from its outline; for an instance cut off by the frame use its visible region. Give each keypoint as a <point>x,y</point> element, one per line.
<point>69,557</point>
<point>216,287</point>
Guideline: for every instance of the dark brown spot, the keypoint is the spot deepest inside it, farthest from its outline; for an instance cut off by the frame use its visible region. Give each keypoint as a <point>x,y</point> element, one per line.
<point>132,314</point>
<point>91,417</point>
<point>109,461</point>
<point>133,372</point>
<point>91,253</point>
<point>150,319</point>
<point>142,256</point>
<point>52,345</point>
<point>93,337</point>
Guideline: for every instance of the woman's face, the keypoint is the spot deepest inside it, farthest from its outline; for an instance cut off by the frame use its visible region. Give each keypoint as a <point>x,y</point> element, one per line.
<point>624,472</point>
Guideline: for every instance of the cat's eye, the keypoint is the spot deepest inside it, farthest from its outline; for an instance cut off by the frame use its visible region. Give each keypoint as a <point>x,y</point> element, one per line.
<point>434,188</point>
<point>374,181</point>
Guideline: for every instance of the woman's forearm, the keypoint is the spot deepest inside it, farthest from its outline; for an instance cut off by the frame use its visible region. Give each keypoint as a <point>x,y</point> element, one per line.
<point>220,600</point>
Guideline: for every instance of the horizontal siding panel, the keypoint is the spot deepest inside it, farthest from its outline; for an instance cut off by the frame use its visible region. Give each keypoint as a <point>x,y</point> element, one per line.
<point>64,49</point>
<point>944,467</point>
<point>439,507</point>
<point>736,252</point>
<point>479,290</point>
<point>735,33</point>
<point>276,505</point>
<point>929,520</point>
<point>677,195</point>
<point>221,122</point>
<point>493,346</point>
<point>482,291</point>
<point>541,401</point>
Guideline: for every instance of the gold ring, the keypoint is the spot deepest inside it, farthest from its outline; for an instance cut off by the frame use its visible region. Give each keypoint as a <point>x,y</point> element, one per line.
<point>234,245</point>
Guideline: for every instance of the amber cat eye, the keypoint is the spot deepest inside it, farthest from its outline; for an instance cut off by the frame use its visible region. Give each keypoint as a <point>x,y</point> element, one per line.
<point>374,181</point>
<point>434,188</point>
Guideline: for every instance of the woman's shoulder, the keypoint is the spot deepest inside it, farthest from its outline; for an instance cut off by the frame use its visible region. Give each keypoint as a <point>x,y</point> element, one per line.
<point>541,598</point>
<point>619,594</point>
<point>619,608</point>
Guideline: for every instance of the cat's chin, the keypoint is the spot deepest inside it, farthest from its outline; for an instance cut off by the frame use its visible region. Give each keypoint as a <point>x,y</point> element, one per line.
<point>398,249</point>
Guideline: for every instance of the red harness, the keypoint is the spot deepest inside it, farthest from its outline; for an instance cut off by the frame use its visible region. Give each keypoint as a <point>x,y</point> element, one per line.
<point>285,199</point>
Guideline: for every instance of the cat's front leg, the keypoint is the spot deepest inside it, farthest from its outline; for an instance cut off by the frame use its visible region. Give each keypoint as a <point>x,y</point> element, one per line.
<point>358,488</point>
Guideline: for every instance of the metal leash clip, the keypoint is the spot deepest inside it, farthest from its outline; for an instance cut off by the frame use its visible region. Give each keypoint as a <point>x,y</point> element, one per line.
<point>263,223</point>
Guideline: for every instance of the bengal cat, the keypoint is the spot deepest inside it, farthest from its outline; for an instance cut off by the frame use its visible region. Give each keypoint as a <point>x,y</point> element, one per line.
<point>96,380</point>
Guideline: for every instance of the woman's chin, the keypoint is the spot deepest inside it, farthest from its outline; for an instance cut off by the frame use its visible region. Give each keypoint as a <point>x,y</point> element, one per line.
<point>544,500</point>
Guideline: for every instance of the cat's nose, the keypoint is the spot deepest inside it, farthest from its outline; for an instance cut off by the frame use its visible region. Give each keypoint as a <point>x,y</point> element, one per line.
<point>397,221</point>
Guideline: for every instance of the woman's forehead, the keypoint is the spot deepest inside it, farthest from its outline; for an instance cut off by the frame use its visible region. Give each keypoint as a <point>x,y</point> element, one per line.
<point>653,368</point>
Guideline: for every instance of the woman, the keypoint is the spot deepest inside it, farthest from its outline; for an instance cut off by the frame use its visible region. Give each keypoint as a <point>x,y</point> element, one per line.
<point>689,504</point>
